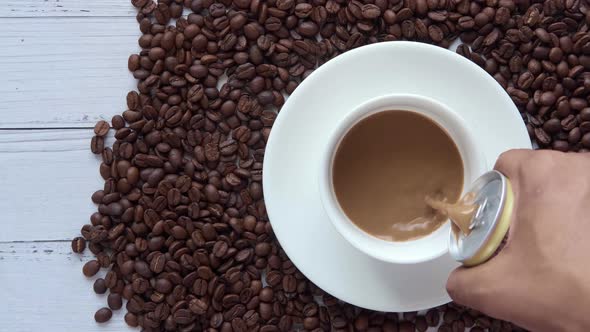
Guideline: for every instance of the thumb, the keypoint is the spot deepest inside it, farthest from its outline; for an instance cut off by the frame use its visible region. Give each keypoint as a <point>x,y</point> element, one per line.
<point>478,287</point>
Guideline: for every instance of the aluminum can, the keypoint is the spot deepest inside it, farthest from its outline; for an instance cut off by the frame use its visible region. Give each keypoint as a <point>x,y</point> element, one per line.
<point>493,196</point>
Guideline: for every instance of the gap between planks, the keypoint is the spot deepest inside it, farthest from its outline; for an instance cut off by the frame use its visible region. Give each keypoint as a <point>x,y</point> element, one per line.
<point>35,241</point>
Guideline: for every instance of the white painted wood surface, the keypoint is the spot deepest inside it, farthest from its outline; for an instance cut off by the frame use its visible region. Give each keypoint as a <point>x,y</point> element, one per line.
<point>44,290</point>
<point>46,186</point>
<point>49,8</point>
<point>46,181</point>
<point>64,71</point>
<point>63,64</point>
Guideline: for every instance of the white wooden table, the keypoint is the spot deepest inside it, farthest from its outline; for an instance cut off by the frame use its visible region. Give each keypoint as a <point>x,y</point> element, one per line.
<point>63,66</point>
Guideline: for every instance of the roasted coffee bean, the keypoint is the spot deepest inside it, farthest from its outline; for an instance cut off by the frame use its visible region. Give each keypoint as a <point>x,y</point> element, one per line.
<point>142,268</point>
<point>361,323</point>
<point>310,323</point>
<point>435,33</point>
<point>370,11</point>
<point>118,122</point>
<point>574,136</point>
<point>103,259</point>
<point>139,3</point>
<point>99,286</point>
<point>568,123</point>
<point>432,317</point>
<point>289,283</point>
<point>78,245</point>
<point>158,262</point>
<point>552,126</point>
<point>274,278</point>
<point>131,319</point>
<point>163,286</point>
<point>263,249</point>
<point>111,279</point>
<point>97,144</point>
<point>101,128</point>
<point>216,320</point>
<point>103,315</point>
<point>198,306</point>
<point>585,114</point>
<point>421,324</point>
<point>308,29</point>
<point>406,327</point>
<point>115,301</point>
<point>542,137</point>
<point>91,268</point>
<point>266,294</point>
<point>560,145</point>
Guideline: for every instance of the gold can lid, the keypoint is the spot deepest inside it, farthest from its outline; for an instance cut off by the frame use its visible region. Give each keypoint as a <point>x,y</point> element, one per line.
<point>493,197</point>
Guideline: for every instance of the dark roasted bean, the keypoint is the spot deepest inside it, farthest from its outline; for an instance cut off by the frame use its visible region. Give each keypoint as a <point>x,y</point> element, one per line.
<point>78,245</point>
<point>103,315</point>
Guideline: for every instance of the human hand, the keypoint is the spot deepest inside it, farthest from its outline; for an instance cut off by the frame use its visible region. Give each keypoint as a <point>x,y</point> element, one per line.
<point>541,278</point>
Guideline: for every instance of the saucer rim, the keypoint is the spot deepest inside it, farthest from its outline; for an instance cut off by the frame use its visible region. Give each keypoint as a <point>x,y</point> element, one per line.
<point>280,123</point>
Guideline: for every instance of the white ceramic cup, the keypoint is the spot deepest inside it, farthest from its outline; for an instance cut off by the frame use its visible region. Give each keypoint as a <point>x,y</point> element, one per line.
<point>404,252</point>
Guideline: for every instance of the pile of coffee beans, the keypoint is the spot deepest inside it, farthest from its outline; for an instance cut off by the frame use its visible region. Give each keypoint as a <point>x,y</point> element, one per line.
<point>540,53</point>
<point>181,227</point>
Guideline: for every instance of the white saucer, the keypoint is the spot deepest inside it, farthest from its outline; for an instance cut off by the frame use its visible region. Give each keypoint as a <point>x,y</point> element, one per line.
<point>292,156</point>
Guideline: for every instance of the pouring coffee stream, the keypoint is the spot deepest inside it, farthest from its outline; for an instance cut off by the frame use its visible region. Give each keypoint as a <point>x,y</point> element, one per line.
<point>460,213</point>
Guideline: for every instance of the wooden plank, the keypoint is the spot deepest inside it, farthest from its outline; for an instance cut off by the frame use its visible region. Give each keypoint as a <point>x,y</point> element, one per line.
<point>64,72</point>
<point>47,180</point>
<point>52,8</point>
<point>45,290</point>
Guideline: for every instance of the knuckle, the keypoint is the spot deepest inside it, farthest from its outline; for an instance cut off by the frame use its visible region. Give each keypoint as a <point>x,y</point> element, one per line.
<point>508,159</point>
<point>503,159</point>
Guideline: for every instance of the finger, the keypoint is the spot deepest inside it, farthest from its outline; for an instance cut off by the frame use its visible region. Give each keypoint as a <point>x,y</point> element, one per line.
<point>480,287</point>
<point>508,163</point>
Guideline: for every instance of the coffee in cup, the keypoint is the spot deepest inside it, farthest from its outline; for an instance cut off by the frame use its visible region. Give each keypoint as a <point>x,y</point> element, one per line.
<point>410,128</point>
<point>384,168</point>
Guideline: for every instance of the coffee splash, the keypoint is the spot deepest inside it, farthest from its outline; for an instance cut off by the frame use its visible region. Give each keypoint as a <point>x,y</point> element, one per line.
<point>460,213</point>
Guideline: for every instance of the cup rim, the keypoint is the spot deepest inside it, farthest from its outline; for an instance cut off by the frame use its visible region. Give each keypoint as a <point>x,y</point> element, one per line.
<point>403,102</point>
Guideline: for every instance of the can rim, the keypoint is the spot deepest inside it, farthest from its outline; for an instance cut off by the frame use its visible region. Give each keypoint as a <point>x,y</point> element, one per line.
<point>466,254</point>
